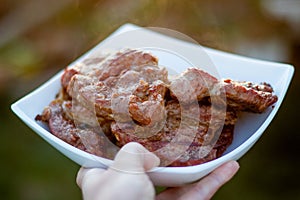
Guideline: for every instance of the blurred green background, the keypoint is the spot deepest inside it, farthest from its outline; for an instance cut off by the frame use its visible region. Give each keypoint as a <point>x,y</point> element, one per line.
<point>39,37</point>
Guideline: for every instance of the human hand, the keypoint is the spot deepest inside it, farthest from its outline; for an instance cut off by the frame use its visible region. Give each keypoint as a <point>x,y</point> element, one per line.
<point>126,179</point>
<point>205,188</point>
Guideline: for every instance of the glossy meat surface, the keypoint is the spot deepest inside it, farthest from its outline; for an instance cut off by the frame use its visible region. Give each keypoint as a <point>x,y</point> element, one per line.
<point>126,96</point>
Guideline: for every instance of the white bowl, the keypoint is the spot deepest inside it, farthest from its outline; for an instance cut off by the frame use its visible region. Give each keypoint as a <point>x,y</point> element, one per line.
<point>247,131</point>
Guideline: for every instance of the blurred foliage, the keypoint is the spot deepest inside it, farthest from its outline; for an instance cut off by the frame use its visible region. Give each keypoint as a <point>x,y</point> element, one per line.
<point>32,50</point>
<point>21,59</point>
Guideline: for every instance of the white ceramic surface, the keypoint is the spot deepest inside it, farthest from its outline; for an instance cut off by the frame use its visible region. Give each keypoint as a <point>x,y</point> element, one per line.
<point>248,129</point>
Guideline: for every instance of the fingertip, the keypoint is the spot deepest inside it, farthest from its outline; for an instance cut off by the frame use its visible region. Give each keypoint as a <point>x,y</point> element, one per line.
<point>231,166</point>
<point>226,171</point>
<point>209,185</point>
<point>133,147</point>
<point>134,157</point>
<point>86,173</point>
<point>80,175</point>
<point>151,162</point>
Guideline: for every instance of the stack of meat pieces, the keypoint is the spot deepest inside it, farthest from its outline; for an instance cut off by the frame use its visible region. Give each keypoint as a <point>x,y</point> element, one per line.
<point>126,96</point>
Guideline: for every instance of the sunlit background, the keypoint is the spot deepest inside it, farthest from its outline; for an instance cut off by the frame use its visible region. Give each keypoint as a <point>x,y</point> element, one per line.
<point>40,37</point>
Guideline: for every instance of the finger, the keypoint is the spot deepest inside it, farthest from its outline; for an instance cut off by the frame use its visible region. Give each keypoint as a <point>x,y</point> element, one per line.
<point>88,173</point>
<point>133,157</point>
<point>209,185</point>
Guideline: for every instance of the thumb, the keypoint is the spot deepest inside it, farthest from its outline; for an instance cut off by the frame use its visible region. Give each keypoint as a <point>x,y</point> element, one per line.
<point>134,158</point>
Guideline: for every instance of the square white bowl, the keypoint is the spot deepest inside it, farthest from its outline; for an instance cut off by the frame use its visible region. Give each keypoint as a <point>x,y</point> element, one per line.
<point>248,129</point>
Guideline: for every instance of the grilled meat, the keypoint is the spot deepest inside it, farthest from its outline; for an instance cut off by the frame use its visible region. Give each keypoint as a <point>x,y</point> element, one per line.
<point>126,96</point>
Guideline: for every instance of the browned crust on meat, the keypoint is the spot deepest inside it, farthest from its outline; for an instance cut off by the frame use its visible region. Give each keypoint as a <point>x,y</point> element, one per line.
<point>146,104</point>
<point>245,96</point>
<point>195,84</point>
<point>123,61</point>
<point>65,129</point>
<point>67,76</point>
<point>59,125</point>
<point>191,156</point>
<point>192,84</point>
<point>204,134</point>
<point>129,98</point>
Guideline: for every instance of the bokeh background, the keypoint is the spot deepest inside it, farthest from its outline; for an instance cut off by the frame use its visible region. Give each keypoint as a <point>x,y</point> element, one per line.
<point>40,37</point>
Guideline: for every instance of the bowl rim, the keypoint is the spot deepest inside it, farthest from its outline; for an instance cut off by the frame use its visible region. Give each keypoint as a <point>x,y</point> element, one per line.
<point>288,69</point>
